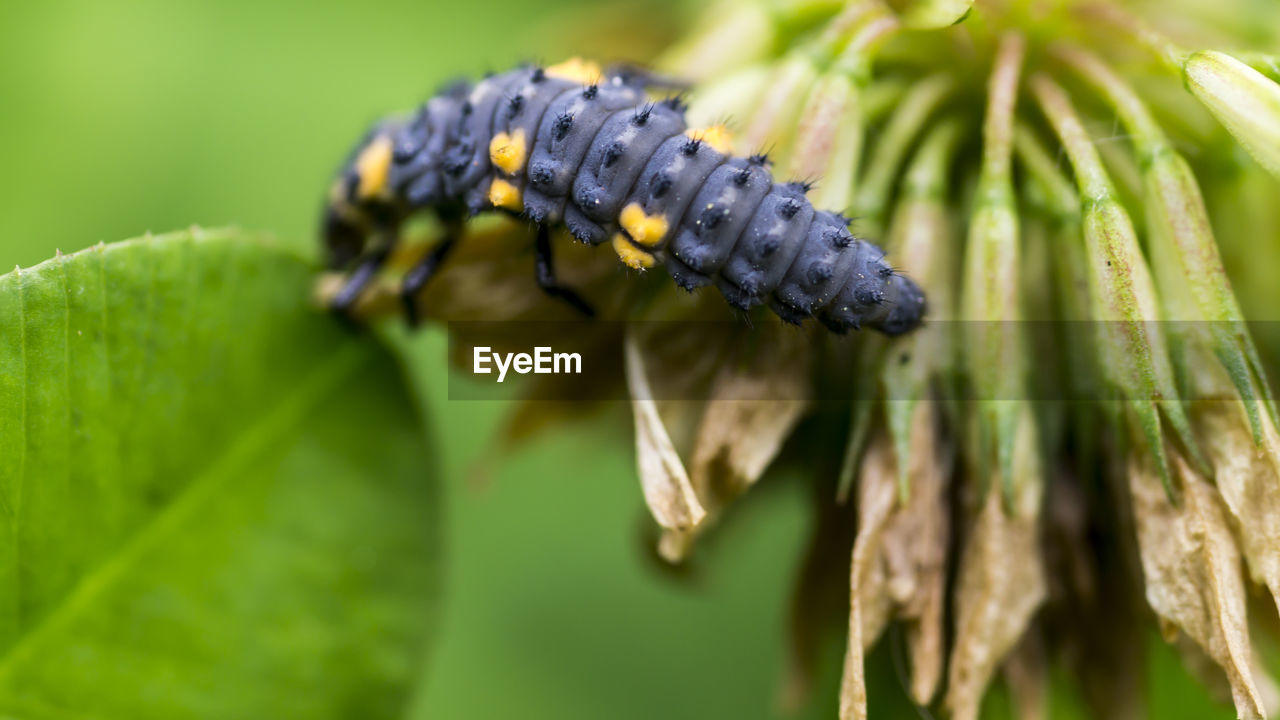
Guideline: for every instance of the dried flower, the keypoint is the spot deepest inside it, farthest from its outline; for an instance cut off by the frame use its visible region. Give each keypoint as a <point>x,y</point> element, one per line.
<point>1084,426</point>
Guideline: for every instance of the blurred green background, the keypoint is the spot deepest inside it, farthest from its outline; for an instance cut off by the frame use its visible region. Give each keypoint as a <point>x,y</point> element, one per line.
<point>126,116</point>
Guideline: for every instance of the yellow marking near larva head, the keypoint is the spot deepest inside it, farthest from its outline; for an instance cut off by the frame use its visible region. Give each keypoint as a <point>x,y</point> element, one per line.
<point>717,136</point>
<point>577,70</point>
<point>505,195</point>
<point>646,230</point>
<point>507,152</point>
<point>372,166</point>
<point>631,256</point>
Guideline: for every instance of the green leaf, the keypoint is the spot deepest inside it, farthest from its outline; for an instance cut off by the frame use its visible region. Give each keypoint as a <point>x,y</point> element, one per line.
<point>214,501</point>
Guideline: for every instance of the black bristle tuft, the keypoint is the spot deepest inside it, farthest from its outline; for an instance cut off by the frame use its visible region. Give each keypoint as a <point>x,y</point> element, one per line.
<point>819,272</point>
<point>690,147</point>
<point>612,153</point>
<point>788,208</point>
<point>561,126</point>
<point>868,297</point>
<point>661,184</point>
<point>839,238</point>
<point>676,103</point>
<point>541,175</point>
<point>712,216</point>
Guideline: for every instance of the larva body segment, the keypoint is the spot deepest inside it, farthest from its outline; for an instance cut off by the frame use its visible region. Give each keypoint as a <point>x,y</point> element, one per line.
<point>466,158</point>
<point>764,251</point>
<point>568,145</point>
<point>417,170</point>
<point>671,179</point>
<point>517,123</point>
<point>716,219</point>
<point>566,133</point>
<point>617,156</point>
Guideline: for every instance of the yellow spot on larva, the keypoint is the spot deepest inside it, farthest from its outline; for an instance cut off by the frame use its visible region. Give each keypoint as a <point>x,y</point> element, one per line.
<point>577,70</point>
<point>504,195</point>
<point>372,166</point>
<point>717,136</point>
<point>646,230</point>
<point>507,152</point>
<point>631,256</point>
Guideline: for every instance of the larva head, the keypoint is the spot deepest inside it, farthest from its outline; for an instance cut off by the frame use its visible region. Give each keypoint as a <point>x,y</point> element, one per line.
<point>360,200</point>
<point>875,296</point>
<point>906,306</point>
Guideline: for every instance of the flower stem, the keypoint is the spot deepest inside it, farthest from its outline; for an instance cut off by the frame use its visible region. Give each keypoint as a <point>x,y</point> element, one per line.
<point>1181,239</point>
<point>1122,293</point>
<point>903,126</point>
<point>990,300</point>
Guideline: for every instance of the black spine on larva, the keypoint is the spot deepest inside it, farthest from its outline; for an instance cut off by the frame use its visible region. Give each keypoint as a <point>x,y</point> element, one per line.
<point>591,151</point>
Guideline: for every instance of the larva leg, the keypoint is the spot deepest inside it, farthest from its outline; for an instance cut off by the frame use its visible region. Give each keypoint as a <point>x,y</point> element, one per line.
<point>365,271</point>
<point>419,275</point>
<point>546,273</point>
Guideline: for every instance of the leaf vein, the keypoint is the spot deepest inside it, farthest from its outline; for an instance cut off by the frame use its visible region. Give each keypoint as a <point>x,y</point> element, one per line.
<point>291,410</point>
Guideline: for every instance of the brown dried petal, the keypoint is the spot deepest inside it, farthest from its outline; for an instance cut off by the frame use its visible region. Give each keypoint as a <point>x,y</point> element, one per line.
<point>869,602</point>
<point>1192,570</point>
<point>759,391</point>
<point>898,567</point>
<point>755,402</point>
<point>1248,479</point>
<point>1001,581</point>
<point>915,550</point>
<point>665,482</point>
